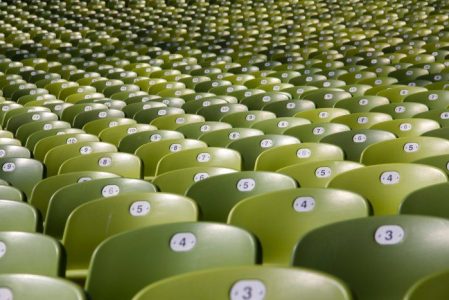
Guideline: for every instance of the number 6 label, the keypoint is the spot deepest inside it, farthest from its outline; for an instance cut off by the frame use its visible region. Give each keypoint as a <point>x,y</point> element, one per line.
<point>248,290</point>
<point>389,235</point>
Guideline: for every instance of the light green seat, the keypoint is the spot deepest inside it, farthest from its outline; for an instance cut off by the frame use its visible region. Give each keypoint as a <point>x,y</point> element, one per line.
<point>399,93</point>
<point>318,174</point>
<point>401,110</point>
<point>66,199</point>
<point>322,115</point>
<point>283,156</point>
<point>115,134</point>
<point>122,164</point>
<point>147,115</point>
<point>17,216</point>
<point>37,287</point>
<point>361,103</point>
<point>97,126</point>
<point>251,147</point>
<point>247,118</point>
<point>428,201</point>
<point>24,118</point>
<point>35,137</point>
<point>69,113</point>
<point>219,111</point>
<point>385,186</point>
<point>223,137</point>
<point>316,131</point>
<point>327,98</point>
<point>279,219</point>
<point>288,108</point>
<point>22,173</point>
<point>432,99</point>
<point>195,130</point>
<point>438,161</point>
<point>258,101</point>
<point>178,181</point>
<point>30,253</point>
<point>44,189</point>
<point>46,144</point>
<point>157,252</point>
<point>382,246</point>
<point>196,157</point>
<point>407,127</point>
<point>26,130</point>
<point>362,120</point>
<point>14,151</point>
<point>249,281</point>
<point>441,115</point>
<point>172,122</point>
<point>93,222</point>
<point>433,286</point>
<point>152,153</point>
<point>406,149</point>
<point>59,154</point>
<point>85,117</point>
<point>217,195</point>
<point>279,125</point>
<point>354,142</point>
<point>130,143</point>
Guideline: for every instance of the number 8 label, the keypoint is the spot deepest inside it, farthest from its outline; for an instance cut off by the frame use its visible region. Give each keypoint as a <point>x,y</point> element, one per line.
<point>248,290</point>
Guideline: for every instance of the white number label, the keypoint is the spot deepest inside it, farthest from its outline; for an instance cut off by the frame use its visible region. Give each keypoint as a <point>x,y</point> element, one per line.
<point>113,124</point>
<point>203,157</point>
<point>155,138</point>
<point>72,140</point>
<point>84,179</point>
<point>2,153</point>
<point>47,126</point>
<point>9,167</point>
<point>205,128</point>
<point>405,127</point>
<point>318,130</point>
<point>363,102</point>
<point>399,109</point>
<point>110,190</point>
<point>359,138</point>
<point>403,92</point>
<point>444,115</point>
<point>105,162</point>
<point>35,117</point>
<point>85,150</point>
<point>140,208</point>
<point>323,172</point>
<point>250,117</point>
<point>246,185</point>
<point>323,114</point>
<point>304,153</point>
<point>200,176</point>
<point>6,294</point>
<point>433,97</point>
<point>266,143</point>
<point>390,177</point>
<point>132,130</point>
<point>180,120</point>
<point>248,290</point>
<point>175,147</point>
<point>2,249</point>
<point>411,147</point>
<point>234,135</point>
<point>162,112</point>
<point>304,204</point>
<point>224,109</point>
<point>183,242</point>
<point>389,235</point>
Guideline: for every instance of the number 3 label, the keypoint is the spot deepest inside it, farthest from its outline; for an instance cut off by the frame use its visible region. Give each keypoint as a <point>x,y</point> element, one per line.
<point>248,290</point>
<point>389,235</point>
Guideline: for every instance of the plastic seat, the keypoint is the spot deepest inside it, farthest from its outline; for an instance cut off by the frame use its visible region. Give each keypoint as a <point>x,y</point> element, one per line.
<point>247,118</point>
<point>407,127</point>
<point>115,134</point>
<point>66,199</point>
<point>234,187</point>
<point>46,144</point>
<point>317,174</point>
<point>14,151</point>
<point>30,253</point>
<point>251,147</point>
<point>432,99</point>
<point>83,118</point>
<point>146,257</point>
<point>195,130</point>
<point>271,282</point>
<point>399,93</point>
<point>27,286</point>
<point>130,143</point>
<point>22,173</point>
<point>258,101</point>
<point>93,222</point>
<point>172,122</point>
<point>97,126</point>
<point>279,125</point>
<point>322,115</point>
<point>17,216</point>
<point>386,185</point>
<point>316,131</point>
<point>147,115</point>
<point>361,103</point>
<point>279,219</point>
<point>44,189</point>
<point>122,164</point>
<point>402,110</point>
<point>354,142</point>
<point>152,153</point>
<point>288,108</point>
<point>69,113</point>
<point>208,157</point>
<point>59,154</point>
<point>362,120</point>
<point>326,98</point>
<point>25,130</point>
<point>131,109</point>
<point>377,244</point>
<point>433,285</point>
<point>219,111</point>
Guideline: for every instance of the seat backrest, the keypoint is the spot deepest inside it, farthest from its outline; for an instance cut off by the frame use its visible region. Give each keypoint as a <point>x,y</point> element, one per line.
<point>67,199</point>
<point>92,222</point>
<point>281,218</point>
<point>433,286</point>
<point>223,137</point>
<point>122,164</point>
<point>157,252</point>
<point>22,173</point>
<point>407,127</point>
<point>131,142</point>
<point>18,216</point>
<point>38,287</point>
<point>30,253</point>
<point>217,195</point>
<point>377,244</point>
<point>385,186</point>
<point>114,135</point>
<point>247,282</point>
<point>46,144</point>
